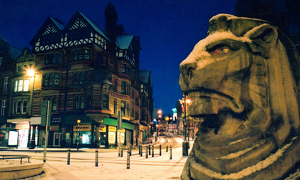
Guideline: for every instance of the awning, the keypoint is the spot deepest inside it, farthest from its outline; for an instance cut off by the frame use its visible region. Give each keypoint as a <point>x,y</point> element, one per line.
<point>114,122</point>
<point>72,119</point>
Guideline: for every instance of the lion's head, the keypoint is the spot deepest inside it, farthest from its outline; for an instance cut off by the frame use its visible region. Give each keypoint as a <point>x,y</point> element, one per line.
<point>241,82</point>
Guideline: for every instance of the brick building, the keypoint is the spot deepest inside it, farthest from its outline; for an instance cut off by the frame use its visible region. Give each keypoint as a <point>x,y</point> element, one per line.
<point>82,78</point>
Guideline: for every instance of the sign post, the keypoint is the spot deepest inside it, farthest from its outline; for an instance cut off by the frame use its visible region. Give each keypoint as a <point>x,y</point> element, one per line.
<point>46,138</point>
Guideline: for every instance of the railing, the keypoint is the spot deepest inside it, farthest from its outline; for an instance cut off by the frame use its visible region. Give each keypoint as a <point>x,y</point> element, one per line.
<point>21,157</point>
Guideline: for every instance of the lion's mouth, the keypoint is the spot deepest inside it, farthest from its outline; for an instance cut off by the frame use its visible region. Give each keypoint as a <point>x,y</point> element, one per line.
<point>216,113</point>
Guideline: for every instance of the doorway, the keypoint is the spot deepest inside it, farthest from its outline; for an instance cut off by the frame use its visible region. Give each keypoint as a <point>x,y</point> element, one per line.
<point>56,139</point>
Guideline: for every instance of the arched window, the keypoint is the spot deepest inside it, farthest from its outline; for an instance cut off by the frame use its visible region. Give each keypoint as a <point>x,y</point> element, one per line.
<point>56,79</point>
<point>46,79</point>
<point>51,79</point>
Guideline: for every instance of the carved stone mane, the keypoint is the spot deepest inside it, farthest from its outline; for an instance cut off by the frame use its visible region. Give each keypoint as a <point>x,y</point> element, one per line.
<point>243,81</point>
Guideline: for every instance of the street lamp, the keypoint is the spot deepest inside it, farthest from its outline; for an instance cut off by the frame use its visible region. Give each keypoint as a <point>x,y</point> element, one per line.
<point>185,144</point>
<point>31,73</point>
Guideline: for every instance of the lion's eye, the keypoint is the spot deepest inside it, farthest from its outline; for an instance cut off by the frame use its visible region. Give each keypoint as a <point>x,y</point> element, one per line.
<point>221,50</point>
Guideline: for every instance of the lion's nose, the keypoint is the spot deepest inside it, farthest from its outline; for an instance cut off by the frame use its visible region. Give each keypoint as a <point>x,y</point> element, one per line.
<point>187,69</point>
<point>187,72</point>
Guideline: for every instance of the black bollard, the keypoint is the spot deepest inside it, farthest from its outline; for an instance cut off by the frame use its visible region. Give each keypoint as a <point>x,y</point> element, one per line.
<point>121,152</point>
<point>149,148</point>
<point>147,152</point>
<point>128,160</point>
<point>96,158</point>
<point>68,159</point>
<point>152,150</point>
<point>141,151</point>
<point>170,151</point>
<point>166,148</point>
<point>160,149</point>
<point>130,149</point>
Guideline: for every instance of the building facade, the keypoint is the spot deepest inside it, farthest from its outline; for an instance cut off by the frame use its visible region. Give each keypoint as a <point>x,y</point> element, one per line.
<point>83,77</point>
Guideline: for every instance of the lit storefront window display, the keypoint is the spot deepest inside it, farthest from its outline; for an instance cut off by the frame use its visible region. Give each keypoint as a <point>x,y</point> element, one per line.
<point>82,133</point>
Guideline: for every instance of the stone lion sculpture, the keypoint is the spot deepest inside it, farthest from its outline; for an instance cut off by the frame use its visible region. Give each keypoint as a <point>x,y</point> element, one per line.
<point>243,82</point>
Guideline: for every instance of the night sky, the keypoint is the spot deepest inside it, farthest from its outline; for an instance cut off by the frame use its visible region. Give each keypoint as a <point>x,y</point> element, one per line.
<point>168,30</point>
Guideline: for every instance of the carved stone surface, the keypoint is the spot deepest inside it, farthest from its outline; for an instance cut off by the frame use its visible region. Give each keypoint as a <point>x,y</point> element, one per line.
<point>243,82</point>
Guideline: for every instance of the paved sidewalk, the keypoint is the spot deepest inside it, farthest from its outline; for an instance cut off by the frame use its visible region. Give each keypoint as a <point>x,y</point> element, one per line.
<point>110,166</point>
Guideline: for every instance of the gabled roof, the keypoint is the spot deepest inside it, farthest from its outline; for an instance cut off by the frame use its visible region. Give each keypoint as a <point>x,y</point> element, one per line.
<point>144,76</point>
<point>14,52</point>
<point>59,26</point>
<point>124,41</point>
<point>93,25</point>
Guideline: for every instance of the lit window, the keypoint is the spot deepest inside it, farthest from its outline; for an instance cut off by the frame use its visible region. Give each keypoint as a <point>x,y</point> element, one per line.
<point>26,85</point>
<point>20,87</point>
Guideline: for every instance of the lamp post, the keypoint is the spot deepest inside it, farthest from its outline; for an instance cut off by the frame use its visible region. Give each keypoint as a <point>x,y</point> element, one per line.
<point>77,136</point>
<point>31,73</point>
<point>185,143</point>
<point>156,132</point>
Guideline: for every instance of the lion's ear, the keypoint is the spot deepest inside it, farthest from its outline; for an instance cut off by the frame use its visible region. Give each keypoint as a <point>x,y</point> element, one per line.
<point>263,38</point>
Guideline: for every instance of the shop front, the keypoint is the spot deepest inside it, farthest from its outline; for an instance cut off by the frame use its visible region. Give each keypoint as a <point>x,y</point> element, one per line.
<point>125,135</point>
<point>26,131</point>
<point>82,134</point>
<point>78,129</point>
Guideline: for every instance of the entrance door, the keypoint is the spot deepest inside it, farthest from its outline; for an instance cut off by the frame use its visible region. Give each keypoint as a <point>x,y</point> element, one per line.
<point>56,139</point>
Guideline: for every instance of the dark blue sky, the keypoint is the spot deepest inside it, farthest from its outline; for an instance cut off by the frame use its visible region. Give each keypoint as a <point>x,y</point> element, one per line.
<point>168,30</point>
